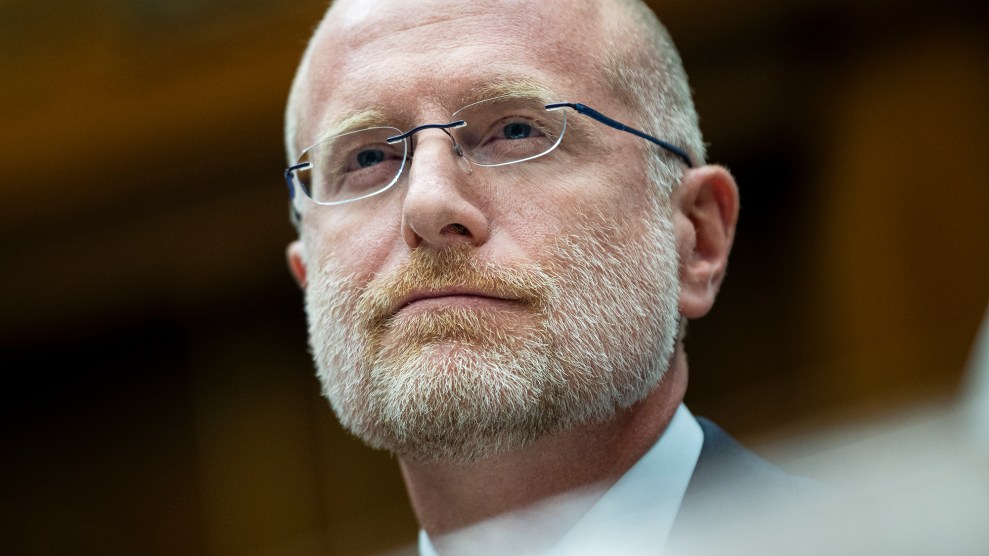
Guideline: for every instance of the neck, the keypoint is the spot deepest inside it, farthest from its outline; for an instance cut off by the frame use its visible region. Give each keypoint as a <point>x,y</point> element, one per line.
<point>586,459</point>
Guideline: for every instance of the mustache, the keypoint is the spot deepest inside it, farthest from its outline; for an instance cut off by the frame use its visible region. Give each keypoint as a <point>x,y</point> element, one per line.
<point>457,267</point>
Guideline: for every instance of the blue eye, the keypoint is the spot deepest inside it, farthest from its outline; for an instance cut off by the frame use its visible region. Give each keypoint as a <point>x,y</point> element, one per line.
<point>370,158</point>
<point>517,131</point>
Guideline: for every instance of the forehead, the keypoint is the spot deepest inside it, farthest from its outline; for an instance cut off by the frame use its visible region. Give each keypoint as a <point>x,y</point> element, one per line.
<point>407,59</point>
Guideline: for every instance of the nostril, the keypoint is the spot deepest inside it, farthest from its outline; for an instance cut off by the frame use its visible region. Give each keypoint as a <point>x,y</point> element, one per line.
<point>455,229</point>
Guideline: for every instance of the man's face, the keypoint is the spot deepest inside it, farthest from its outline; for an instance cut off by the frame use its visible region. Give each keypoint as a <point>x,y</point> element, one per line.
<point>470,311</point>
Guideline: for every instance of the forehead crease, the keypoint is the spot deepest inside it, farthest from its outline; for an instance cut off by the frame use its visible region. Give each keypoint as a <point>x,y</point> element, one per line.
<point>370,21</point>
<point>367,28</point>
<point>387,25</point>
<point>379,47</point>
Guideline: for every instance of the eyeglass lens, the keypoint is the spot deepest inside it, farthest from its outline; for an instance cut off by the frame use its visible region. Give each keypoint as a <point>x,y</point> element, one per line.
<point>499,131</point>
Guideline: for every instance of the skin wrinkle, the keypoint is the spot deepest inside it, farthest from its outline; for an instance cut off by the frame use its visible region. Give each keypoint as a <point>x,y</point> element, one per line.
<point>389,30</point>
<point>365,29</point>
<point>361,118</point>
<point>372,36</point>
<point>375,116</point>
<point>623,66</point>
<point>580,143</point>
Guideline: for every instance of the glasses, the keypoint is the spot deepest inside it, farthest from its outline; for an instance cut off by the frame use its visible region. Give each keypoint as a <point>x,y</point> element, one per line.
<point>496,132</point>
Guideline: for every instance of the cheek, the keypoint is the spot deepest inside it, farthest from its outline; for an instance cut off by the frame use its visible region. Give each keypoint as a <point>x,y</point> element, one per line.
<point>601,195</point>
<point>353,244</point>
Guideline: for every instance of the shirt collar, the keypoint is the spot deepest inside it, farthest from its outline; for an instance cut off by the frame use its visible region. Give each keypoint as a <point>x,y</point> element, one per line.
<point>636,514</point>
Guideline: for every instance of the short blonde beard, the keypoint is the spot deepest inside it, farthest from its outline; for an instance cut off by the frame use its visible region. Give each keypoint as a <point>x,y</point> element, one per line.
<point>453,386</point>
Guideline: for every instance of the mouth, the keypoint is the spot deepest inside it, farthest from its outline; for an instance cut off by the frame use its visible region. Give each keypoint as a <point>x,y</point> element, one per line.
<point>450,297</point>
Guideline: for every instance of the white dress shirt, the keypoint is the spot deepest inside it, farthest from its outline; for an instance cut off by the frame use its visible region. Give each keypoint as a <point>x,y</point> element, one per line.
<point>635,515</point>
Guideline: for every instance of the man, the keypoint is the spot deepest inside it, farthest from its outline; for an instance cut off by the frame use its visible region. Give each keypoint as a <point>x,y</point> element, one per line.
<point>498,278</point>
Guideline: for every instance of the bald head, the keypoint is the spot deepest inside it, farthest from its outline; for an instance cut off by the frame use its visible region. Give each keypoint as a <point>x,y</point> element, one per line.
<point>438,171</point>
<point>617,46</point>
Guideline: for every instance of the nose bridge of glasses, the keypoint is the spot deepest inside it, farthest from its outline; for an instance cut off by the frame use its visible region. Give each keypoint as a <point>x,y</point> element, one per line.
<point>462,161</point>
<point>408,134</point>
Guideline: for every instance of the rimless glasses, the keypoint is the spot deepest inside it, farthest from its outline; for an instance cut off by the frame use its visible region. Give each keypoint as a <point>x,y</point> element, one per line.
<point>503,130</point>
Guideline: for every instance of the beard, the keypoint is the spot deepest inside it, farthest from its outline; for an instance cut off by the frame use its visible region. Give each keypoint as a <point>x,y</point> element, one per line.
<point>588,332</point>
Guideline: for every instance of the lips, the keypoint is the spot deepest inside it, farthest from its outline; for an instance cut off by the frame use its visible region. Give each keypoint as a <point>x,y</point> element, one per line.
<point>416,297</point>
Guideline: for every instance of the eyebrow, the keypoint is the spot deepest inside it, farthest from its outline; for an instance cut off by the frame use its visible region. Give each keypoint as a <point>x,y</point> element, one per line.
<point>512,88</point>
<point>526,89</point>
<point>353,121</point>
<point>519,88</point>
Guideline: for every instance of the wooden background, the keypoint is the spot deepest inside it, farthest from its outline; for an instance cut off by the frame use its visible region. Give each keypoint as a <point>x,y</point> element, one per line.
<point>158,397</point>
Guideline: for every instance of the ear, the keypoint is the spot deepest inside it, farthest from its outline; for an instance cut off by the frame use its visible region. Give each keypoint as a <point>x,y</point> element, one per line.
<point>297,262</point>
<point>706,210</point>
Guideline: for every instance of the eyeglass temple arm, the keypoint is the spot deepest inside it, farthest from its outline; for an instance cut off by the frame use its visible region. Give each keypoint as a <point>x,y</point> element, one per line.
<point>588,111</point>
<point>294,215</point>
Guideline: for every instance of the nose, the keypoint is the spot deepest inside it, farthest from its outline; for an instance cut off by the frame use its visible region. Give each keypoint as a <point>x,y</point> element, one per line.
<point>440,210</point>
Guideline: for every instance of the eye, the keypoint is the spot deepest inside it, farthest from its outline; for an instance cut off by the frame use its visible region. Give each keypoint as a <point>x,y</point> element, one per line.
<point>517,130</point>
<point>370,157</point>
<point>508,129</point>
<point>367,156</point>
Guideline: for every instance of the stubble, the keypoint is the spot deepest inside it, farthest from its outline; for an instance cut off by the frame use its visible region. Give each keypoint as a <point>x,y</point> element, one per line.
<point>587,332</point>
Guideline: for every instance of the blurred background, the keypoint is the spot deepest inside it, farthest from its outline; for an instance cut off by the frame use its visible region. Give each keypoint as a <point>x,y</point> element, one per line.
<point>157,393</point>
